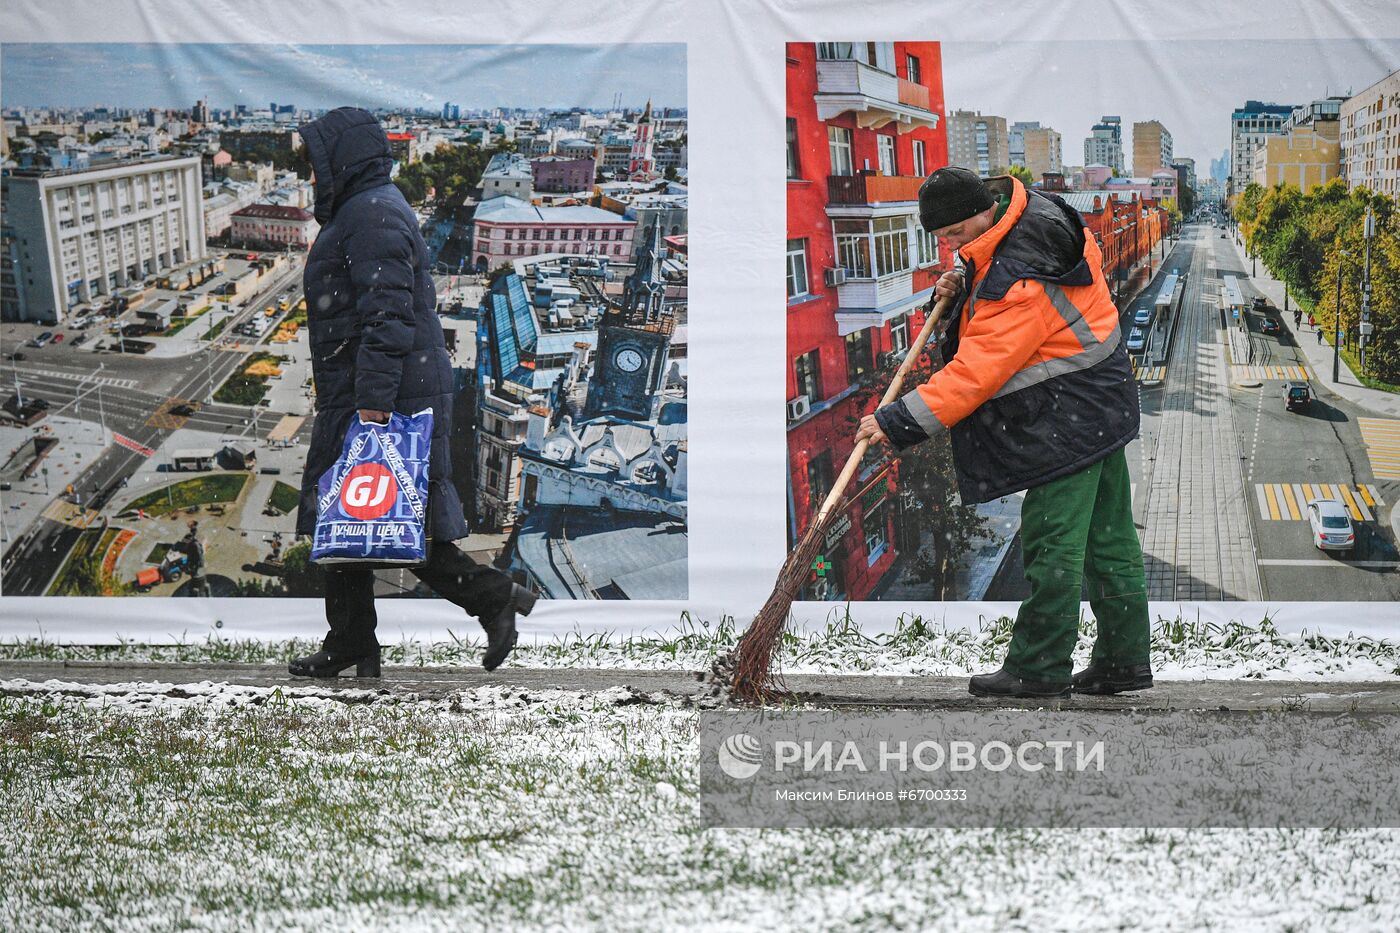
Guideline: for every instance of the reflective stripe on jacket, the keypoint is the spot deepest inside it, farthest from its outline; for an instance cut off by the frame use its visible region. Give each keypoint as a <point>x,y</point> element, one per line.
<point>1037,382</point>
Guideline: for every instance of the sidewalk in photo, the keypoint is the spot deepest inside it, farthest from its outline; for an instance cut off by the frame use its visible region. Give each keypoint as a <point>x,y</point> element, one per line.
<point>80,442</point>
<point>1003,517</point>
<point>844,690</point>
<point>1318,355</point>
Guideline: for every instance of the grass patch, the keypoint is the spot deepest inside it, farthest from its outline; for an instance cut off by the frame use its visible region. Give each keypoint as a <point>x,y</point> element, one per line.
<point>221,487</point>
<point>249,384</point>
<point>82,573</point>
<point>1353,360</point>
<point>157,553</point>
<point>284,497</point>
<point>185,321</point>
<point>218,328</point>
<point>239,389</point>
<point>509,810</point>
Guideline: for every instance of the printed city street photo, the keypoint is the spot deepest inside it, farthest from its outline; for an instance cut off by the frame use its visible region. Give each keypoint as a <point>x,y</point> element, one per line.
<point>1235,339</point>
<point>160,205</point>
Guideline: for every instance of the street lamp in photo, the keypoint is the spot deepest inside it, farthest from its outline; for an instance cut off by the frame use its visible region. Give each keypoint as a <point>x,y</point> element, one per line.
<point>1337,320</point>
<point>209,356</point>
<point>1365,329</point>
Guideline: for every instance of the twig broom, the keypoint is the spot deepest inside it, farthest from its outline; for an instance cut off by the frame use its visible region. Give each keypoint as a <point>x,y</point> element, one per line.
<point>746,671</point>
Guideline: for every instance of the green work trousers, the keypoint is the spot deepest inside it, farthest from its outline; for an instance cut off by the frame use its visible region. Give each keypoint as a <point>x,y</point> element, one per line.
<point>1072,528</point>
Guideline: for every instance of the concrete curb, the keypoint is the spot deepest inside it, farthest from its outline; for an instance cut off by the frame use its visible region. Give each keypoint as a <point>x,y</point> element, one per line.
<point>687,688</point>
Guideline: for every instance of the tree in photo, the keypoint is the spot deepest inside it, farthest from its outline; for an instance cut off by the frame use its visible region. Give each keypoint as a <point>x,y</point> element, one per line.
<point>1314,243</point>
<point>930,512</point>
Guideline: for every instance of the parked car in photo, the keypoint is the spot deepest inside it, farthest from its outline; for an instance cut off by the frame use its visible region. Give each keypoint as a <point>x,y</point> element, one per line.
<point>1331,525</point>
<point>1268,326</point>
<point>1137,340</point>
<point>1143,317</point>
<point>78,340</point>
<point>1296,395</point>
<point>57,338</point>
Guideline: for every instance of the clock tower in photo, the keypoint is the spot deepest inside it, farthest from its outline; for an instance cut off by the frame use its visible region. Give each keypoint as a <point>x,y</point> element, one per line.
<point>634,336</point>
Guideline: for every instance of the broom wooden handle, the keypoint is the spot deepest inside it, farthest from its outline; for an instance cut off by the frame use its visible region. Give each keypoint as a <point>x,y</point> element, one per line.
<point>853,461</point>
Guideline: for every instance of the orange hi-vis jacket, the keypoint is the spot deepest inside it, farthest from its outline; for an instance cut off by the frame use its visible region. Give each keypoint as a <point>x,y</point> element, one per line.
<point>1036,382</point>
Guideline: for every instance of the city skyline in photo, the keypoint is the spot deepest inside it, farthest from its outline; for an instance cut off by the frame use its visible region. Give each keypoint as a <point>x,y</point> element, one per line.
<point>1192,87</point>
<point>175,75</point>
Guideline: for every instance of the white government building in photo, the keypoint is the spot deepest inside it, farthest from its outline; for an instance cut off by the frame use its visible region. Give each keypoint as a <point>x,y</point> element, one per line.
<point>73,236</point>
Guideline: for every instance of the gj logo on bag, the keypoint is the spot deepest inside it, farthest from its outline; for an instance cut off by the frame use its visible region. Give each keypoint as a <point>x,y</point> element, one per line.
<point>369,491</point>
<point>372,504</point>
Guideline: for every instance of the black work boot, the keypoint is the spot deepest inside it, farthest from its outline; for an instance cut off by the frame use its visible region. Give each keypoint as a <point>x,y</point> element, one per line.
<point>1102,677</point>
<point>327,663</point>
<point>500,628</point>
<point>1003,683</point>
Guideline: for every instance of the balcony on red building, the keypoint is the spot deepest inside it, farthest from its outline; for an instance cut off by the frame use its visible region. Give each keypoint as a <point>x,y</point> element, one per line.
<point>864,126</point>
<point>861,78</point>
<point>872,189</point>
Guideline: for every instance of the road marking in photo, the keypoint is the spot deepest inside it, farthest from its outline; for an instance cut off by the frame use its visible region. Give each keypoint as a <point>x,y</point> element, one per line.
<point>61,510</point>
<point>1238,371</point>
<point>1324,562</point>
<point>164,419</point>
<point>129,444</point>
<point>112,381</point>
<point>1289,501</point>
<point>1144,373</point>
<point>1382,438</point>
<point>1254,444</point>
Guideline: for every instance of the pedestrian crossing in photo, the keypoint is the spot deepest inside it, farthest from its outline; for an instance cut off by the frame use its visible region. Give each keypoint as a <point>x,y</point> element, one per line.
<point>167,420</point>
<point>1382,437</point>
<point>1289,501</point>
<point>61,510</point>
<point>88,378</point>
<point>1149,373</point>
<point>1297,373</point>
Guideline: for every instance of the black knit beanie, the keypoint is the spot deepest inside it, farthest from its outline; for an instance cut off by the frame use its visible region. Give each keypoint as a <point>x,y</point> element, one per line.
<point>950,195</point>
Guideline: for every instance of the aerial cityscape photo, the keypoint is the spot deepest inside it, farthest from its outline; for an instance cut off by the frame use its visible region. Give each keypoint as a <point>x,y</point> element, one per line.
<point>1235,219</point>
<point>158,400</point>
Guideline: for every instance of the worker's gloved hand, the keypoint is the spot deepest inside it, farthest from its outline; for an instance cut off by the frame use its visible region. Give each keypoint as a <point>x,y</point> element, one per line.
<point>950,284</point>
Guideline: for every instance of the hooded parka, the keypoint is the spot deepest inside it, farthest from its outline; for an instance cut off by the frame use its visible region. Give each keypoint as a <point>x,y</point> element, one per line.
<point>376,342</point>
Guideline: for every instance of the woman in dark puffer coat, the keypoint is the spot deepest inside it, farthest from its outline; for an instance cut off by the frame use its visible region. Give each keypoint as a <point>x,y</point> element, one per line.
<point>377,347</point>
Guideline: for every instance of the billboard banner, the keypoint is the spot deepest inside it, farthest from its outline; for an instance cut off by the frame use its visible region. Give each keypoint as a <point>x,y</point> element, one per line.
<point>640,462</point>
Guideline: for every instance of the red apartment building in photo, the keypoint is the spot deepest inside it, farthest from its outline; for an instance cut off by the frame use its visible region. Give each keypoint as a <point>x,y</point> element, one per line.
<point>865,126</point>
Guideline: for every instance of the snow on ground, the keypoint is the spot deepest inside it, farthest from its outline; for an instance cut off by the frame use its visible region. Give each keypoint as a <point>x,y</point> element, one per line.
<point>1180,651</point>
<point>158,806</point>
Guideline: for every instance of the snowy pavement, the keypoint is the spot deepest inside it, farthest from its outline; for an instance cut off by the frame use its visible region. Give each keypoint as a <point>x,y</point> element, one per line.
<point>24,678</point>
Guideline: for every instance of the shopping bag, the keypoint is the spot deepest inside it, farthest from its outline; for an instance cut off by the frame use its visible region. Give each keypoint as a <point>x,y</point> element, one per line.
<point>371,506</point>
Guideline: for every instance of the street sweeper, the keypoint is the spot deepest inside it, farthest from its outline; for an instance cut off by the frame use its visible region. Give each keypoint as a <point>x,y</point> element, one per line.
<point>1036,393</point>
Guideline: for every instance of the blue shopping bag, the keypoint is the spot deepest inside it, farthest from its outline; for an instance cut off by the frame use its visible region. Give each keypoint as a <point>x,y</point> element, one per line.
<point>371,506</point>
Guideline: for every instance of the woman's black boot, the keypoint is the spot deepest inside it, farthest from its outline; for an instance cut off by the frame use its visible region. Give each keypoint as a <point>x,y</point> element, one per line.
<point>326,663</point>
